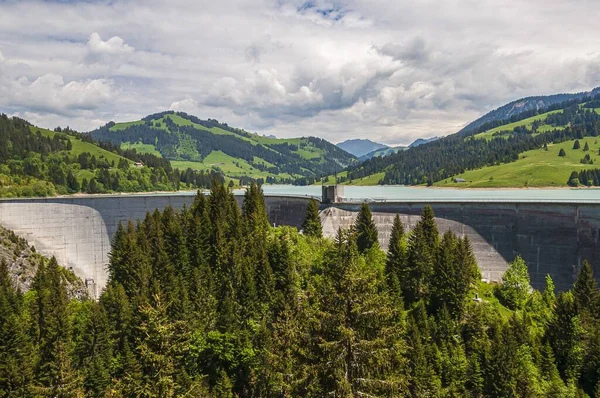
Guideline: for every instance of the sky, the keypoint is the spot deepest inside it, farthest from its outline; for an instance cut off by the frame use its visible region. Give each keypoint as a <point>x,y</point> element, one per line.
<point>390,71</point>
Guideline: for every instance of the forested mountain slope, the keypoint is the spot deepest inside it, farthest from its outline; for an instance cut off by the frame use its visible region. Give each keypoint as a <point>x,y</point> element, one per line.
<point>211,301</point>
<point>40,162</point>
<point>517,107</point>
<point>210,145</point>
<point>493,143</point>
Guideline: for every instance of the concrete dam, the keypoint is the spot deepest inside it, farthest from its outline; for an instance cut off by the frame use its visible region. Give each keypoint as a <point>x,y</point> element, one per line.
<point>553,238</point>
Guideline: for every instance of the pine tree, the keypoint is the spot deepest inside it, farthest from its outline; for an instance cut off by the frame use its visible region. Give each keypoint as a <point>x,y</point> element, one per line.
<point>423,379</point>
<point>562,153</point>
<point>256,263</point>
<point>585,289</point>
<point>566,336</point>
<point>365,229</point>
<point>55,374</point>
<point>422,248</point>
<point>129,263</point>
<point>361,352</point>
<point>576,145</point>
<point>448,284</point>
<point>72,182</point>
<point>549,294</point>
<point>160,347</point>
<point>586,147</point>
<point>311,226</point>
<point>223,387</point>
<point>396,257</point>
<point>94,352</point>
<point>430,230</point>
<point>16,350</point>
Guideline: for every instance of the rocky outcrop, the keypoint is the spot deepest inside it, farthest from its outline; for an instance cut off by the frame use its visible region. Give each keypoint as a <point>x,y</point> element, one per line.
<point>23,262</point>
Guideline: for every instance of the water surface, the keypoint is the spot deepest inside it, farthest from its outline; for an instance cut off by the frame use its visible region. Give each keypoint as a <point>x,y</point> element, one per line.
<point>422,194</point>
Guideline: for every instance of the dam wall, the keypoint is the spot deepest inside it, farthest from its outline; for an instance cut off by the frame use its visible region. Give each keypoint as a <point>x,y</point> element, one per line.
<point>553,238</point>
<point>78,230</point>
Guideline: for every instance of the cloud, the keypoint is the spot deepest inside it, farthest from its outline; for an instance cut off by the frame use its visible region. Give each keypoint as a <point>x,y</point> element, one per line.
<point>413,51</point>
<point>50,94</point>
<point>187,105</point>
<point>112,50</point>
<point>338,69</point>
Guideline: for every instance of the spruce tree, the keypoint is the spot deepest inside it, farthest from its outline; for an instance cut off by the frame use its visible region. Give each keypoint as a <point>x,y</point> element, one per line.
<point>16,350</point>
<point>365,229</point>
<point>585,289</point>
<point>311,226</point>
<point>586,147</point>
<point>256,261</point>
<point>160,346</point>
<point>576,145</point>
<point>562,153</point>
<point>446,277</point>
<point>422,248</point>
<point>94,352</point>
<point>55,374</point>
<point>566,336</point>
<point>358,338</point>
<point>396,257</point>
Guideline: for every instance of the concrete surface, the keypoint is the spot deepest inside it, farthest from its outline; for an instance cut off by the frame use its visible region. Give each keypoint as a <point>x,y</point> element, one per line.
<point>78,230</point>
<point>552,238</point>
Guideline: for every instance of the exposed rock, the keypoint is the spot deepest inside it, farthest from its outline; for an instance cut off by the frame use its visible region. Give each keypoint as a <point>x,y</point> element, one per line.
<point>23,262</point>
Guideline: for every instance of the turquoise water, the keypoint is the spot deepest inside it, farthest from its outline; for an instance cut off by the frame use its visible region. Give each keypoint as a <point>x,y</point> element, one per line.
<point>418,194</point>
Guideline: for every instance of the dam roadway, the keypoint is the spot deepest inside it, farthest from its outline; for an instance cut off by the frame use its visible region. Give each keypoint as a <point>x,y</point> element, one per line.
<point>554,236</point>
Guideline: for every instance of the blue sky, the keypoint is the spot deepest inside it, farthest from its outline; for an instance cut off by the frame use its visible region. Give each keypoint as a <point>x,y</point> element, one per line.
<point>388,71</point>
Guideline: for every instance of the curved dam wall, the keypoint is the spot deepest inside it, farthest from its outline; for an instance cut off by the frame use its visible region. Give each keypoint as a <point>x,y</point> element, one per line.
<point>553,238</point>
<point>78,230</point>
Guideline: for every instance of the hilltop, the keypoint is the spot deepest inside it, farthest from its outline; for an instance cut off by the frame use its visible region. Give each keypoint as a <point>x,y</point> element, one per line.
<point>41,162</point>
<point>500,152</point>
<point>189,142</point>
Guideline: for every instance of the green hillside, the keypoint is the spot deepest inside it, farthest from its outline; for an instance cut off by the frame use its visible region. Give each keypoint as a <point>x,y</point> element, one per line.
<point>508,129</point>
<point>190,142</point>
<point>535,168</point>
<point>41,162</point>
<point>499,153</point>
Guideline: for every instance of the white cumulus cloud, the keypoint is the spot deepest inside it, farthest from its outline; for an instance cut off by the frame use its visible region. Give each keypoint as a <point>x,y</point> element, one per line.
<point>389,71</point>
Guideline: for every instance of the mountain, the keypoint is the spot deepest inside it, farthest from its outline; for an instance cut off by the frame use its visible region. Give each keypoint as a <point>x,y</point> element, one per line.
<point>360,147</point>
<point>382,152</point>
<point>391,150</point>
<point>189,142</point>
<point>513,108</point>
<point>506,151</point>
<point>40,162</point>
<point>421,141</point>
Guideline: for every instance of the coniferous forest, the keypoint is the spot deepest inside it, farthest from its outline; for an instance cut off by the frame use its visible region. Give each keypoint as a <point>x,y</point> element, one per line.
<point>213,301</point>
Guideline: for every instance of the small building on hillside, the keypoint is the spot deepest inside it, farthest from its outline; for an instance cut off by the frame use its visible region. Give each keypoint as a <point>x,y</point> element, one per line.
<point>139,164</point>
<point>459,180</point>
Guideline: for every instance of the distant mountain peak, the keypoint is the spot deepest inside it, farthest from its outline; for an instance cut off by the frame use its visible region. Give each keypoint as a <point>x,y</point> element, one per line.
<point>360,146</point>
